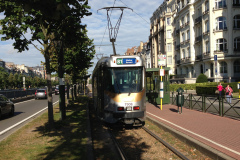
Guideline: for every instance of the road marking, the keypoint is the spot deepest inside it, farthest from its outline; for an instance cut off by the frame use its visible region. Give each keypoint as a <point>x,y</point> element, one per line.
<point>9,128</point>
<point>236,152</point>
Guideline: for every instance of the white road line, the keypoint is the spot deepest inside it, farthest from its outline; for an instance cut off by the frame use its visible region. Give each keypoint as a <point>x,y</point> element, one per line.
<point>236,152</point>
<point>9,128</point>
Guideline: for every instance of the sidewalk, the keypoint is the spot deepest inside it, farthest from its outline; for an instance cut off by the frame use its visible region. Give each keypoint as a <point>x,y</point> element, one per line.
<point>220,135</point>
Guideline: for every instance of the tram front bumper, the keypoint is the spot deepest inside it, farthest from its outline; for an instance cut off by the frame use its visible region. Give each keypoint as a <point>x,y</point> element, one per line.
<point>139,114</point>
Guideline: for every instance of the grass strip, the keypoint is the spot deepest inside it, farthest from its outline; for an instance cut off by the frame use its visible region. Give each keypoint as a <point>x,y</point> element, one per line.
<point>67,140</point>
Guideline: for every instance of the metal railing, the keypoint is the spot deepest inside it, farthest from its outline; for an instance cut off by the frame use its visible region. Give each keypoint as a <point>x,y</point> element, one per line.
<point>211,104</point>
<point>13,94</point>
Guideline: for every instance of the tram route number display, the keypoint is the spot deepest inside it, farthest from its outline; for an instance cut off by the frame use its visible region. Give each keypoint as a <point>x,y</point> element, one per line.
<point>121,61</point>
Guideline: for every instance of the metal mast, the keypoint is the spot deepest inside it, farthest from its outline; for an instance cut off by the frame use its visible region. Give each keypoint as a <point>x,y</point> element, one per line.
<point>113,31</point>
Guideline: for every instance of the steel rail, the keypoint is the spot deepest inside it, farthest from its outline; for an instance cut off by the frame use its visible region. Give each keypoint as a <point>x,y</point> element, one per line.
<point>179,154</point>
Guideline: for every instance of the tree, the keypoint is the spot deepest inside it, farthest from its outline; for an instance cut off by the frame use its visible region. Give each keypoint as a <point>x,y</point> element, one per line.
<point>49,21</point>
<point>3,78</point>
<point>10,80</point>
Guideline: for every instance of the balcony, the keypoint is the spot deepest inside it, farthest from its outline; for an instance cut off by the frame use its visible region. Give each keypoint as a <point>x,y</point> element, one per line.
<point>217,29</point>
<point>177,32</point>
<point>236,49</point>
<point>199,58</point>
<point>177,47</point>
<point>222,6</point>
<point>198,20</point>
<point>198,39</point>
<point>236,27</point>
<point>236,5</point>
<point>221,51</point>
<point>205,12</point>
<point>206,33</point>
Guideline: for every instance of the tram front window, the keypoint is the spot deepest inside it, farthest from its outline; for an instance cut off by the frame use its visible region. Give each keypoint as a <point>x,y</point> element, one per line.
<point>124,80</point>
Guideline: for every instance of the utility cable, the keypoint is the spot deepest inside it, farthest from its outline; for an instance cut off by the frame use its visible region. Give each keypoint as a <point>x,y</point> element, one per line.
<point>135,12</point>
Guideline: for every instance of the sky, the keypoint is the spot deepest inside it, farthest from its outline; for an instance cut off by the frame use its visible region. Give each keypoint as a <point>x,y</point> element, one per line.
<point>134,28</point>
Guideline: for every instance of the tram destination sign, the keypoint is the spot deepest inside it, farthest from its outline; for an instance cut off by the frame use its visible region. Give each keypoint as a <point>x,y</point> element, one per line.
<point>121,61</point>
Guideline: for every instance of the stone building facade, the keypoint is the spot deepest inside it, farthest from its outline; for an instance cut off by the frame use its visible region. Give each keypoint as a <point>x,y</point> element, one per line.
<point>197,36</point>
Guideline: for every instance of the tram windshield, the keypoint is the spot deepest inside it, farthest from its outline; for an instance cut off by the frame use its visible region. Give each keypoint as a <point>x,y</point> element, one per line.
<point>124,80</point>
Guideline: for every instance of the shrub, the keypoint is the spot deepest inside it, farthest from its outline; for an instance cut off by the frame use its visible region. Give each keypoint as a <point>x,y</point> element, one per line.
<point>201,78</point>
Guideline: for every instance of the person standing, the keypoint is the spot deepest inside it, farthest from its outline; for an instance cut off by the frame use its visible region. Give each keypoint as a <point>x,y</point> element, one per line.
<point>220,88</point>
<point>228,92</point>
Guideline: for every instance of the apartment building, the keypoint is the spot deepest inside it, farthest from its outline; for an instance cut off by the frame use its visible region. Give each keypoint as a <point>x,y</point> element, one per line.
<point>198,36</point>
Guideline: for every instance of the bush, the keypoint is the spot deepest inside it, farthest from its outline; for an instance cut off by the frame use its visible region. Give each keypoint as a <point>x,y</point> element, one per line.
<point>201,78</point>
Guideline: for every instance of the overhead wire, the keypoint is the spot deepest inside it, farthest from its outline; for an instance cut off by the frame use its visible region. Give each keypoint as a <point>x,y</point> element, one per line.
<point>135,12</point>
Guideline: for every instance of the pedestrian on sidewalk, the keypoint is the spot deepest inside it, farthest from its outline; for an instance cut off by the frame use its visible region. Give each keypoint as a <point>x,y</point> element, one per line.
<point>228,92</point>
<point>220,88</point>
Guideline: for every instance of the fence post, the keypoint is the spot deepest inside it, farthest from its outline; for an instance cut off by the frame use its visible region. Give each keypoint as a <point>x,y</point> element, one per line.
<point>190,100</point>
<point>222,108</point>
<point>203,103</point>
<point>172,97</point>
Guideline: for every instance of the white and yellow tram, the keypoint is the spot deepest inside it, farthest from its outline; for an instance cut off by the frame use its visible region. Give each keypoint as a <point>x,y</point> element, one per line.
<point>119,92</point>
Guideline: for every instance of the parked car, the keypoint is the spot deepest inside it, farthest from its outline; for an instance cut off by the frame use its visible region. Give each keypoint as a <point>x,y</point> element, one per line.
<point>41,93</point>
<point>6,106</point>
<point>57,90</point>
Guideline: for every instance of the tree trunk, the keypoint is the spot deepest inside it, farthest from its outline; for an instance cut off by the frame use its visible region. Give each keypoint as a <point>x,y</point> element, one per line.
<point>49,90</point>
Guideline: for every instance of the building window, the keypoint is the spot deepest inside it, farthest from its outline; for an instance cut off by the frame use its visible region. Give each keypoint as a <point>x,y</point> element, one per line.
<point>220,4</point>
<point>188,35</point>
<point>237,44</point>
<point>206,6</point>
<point>169,21</point>
<point>169,59</point>
<point>169,34</point>
<point>189,53</point>
<point>221,23</point>
<point>183,37</point>
<point>183,54</point>
<point>236,66</point>
<point>223,67</point>
<point>207,46</point>
<point>206,26</point>
<point>169,47</point>
<point>182,20</point>
<point>221,45</point>
<point>236,21</point>
<point>236,2</point>
<point>188,18</point>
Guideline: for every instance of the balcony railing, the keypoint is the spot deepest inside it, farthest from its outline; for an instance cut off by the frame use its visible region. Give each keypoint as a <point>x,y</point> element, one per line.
<point>236,5</point>
<point>206,32</point>
<point>206,11</point>
<point>199,57</point>
<point>220,7</point>
<point>198,20</point>
<point>198,39</point>
<point>220,29</point>
<point>221,51</point>
<point>236,49</point>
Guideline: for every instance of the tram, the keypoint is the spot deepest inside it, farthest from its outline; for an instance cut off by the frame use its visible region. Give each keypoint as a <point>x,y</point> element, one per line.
<point>119,91</point>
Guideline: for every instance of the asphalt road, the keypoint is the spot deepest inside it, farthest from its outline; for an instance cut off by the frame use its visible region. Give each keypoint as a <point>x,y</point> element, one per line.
<point>24,112</point>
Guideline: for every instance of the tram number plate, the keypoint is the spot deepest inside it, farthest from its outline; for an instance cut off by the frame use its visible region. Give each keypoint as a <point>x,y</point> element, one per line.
<point>128,106</point>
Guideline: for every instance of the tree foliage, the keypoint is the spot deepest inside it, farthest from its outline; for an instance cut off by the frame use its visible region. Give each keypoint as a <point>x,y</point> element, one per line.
<point>54,24</point>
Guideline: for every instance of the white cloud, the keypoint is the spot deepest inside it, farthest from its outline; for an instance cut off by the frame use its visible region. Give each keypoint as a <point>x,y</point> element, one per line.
<point>134,27</point>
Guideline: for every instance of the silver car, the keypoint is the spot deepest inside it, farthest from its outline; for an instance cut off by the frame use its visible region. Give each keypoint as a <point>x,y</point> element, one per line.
<point>6,106</point>
<point>41,93</point>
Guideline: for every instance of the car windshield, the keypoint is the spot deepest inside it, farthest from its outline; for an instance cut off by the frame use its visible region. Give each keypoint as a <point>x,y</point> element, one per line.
<point>124,80</point>
<point>41,90</point>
